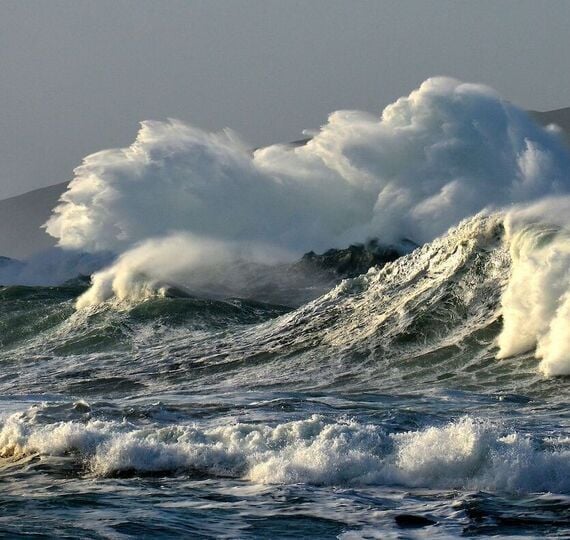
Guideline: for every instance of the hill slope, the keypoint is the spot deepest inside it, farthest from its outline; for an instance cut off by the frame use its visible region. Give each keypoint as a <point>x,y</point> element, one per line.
<point>21,218</point>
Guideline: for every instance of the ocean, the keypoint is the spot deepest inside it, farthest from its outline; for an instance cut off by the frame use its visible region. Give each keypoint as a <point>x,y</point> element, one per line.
<point>169,370</point>
<point>377,410</point>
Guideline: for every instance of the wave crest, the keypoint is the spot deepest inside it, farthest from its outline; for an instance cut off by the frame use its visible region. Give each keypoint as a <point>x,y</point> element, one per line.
<point>467,453</point>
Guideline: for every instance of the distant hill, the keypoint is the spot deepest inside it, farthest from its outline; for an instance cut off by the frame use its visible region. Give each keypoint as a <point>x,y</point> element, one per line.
<point>560,117</point>
<point>22,216</point>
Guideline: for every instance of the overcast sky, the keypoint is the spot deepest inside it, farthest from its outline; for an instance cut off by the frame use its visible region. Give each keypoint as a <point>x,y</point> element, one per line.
<point>77,76</point>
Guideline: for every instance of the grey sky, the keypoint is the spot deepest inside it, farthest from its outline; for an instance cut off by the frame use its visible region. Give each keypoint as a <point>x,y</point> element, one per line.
<point>77,76</point>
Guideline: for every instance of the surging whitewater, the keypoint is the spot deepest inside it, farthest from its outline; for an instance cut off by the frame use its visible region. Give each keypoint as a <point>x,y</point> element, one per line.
<point>464,454</point>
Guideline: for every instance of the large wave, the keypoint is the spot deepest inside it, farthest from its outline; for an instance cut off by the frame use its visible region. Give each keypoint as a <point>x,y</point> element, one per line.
<point>182,207</point>
<point>441,154</point>
<point>445,152</point>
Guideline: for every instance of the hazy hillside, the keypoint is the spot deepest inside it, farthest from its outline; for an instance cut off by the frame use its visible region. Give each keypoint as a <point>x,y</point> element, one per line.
<point>21,217</point>
<point>558,116</point>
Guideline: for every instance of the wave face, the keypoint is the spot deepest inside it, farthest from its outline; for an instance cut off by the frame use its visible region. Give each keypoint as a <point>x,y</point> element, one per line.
<point>425,398</point>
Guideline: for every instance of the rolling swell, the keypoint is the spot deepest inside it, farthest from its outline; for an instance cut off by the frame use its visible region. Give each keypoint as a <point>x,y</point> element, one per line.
<point>430,317</point>
<point>48,314</point>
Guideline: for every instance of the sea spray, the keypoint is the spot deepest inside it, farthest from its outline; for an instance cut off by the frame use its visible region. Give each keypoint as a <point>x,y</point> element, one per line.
<point>439,155</point>
<point>182,260</point>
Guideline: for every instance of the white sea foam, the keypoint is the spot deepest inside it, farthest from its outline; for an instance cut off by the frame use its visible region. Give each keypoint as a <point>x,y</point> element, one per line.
<point>536,303</point>
<point>441,154</point>
<point>467,453</point>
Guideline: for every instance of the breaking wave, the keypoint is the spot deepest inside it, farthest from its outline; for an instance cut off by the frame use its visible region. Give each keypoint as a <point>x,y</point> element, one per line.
<point>180,204</point>
<point>467,453</point>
